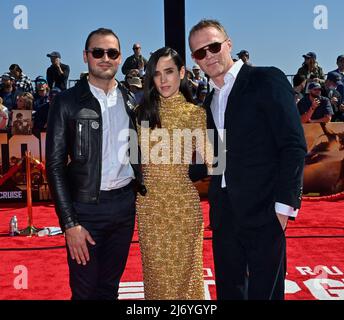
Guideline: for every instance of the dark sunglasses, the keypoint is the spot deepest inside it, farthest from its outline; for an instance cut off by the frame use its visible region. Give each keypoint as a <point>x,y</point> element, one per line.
<point>136,48</point>
<point>98,53</point>
<point>213,48</point>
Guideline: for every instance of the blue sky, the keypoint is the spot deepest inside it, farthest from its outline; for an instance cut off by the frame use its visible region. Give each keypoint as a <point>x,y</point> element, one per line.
<point>274,32</point>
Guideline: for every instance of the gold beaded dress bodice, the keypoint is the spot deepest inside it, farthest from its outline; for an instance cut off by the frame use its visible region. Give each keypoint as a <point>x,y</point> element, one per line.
<point>170,220</point>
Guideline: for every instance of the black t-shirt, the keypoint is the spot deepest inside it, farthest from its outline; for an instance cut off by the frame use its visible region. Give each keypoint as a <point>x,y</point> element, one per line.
<point>324,109</point>
<point>55,79</point>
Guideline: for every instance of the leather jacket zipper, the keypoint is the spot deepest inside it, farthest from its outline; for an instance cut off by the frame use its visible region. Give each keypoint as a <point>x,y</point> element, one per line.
<point>80,138</point>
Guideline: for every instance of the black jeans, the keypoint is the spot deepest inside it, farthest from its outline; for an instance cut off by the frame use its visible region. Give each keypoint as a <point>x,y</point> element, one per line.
<point>111,225</point>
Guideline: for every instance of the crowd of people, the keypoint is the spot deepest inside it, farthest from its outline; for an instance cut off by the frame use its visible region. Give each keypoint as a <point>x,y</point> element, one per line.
<point>19,92</point>
<point>319,97</point>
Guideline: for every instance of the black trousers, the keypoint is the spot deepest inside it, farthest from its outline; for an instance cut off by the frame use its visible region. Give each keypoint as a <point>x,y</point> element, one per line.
<point>111,225</point>
<point>249,263</point>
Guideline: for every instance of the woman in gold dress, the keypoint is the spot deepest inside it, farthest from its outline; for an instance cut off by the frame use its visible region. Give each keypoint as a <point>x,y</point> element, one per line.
<point>170,220</point>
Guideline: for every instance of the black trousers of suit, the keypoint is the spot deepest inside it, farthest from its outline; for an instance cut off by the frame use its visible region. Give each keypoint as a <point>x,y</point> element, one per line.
<point>250,263</point>
<point>111,225</point>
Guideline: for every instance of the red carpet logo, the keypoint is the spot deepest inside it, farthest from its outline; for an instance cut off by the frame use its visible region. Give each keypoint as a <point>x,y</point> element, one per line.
<point>320,285</point>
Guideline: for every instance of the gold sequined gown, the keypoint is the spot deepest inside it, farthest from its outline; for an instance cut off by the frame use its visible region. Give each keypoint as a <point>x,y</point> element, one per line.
<point>170,221</point>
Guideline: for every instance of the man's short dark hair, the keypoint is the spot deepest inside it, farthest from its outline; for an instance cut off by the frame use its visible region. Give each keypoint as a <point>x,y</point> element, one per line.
<point>298,79</point>
<point>15,67</point>
<point>341,57</point>
<point>103,32</point>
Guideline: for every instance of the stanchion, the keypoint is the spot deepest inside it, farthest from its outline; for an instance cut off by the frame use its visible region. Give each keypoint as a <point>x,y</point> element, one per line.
<point>30,230</point>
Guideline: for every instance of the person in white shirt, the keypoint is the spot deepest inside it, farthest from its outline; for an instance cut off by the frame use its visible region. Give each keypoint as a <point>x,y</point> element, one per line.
<point>93,192</point>
<point>253,111</point>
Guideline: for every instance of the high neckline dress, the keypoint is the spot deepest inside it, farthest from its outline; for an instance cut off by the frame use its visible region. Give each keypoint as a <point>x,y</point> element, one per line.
<point>170,221</point>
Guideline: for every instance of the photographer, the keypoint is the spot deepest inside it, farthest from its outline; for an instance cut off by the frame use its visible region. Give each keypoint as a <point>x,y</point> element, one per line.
<point>57,73</point>
<point>313,107</point>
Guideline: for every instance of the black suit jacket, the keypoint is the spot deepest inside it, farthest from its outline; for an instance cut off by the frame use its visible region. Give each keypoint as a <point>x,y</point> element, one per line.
<point>265,148</point>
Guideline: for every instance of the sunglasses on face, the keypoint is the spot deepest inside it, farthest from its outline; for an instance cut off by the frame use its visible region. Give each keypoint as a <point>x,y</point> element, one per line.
<point>214,47</point>
<point>98,53</point>
<point>137,48</point>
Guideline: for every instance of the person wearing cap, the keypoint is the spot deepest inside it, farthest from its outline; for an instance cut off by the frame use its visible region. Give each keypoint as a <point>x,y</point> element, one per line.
<point>197,74</point>
<point>41,95</point>
<point>311,69</point>
<point>313,107</point>
<point>331,90</point>
<point>22,81</point>
<point>135,61</point>
<point>135,87</point>
<point>57,73</point>
<point>40,80</point>
<point>8,91</point>
<point>196,79</point>
<point>244,56</point>
<point>340,70</point>
<point>40,117</point>
<point>131,73</point>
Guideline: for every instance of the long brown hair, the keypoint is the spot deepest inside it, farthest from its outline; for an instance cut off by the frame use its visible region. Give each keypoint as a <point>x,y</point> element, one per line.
<point>149,110</point>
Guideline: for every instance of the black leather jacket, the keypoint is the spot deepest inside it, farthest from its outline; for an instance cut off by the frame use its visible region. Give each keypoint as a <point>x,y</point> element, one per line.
<point>74,150</point>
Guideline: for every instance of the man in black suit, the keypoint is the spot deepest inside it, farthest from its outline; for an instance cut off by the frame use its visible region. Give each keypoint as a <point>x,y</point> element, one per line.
<point>253,111</point>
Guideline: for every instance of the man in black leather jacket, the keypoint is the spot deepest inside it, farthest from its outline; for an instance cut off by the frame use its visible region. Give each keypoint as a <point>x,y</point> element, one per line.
<point>90,176</point>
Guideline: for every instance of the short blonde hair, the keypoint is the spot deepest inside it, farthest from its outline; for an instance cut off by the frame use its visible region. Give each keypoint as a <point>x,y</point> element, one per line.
<point>207,23</point>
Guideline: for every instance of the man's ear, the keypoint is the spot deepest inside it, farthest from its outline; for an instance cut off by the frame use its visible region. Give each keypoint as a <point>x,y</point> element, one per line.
<point>229,43</point>
<point>85,56</point>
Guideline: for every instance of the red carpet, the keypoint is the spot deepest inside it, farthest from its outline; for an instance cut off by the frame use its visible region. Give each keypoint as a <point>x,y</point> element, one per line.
<point>315,257</point>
